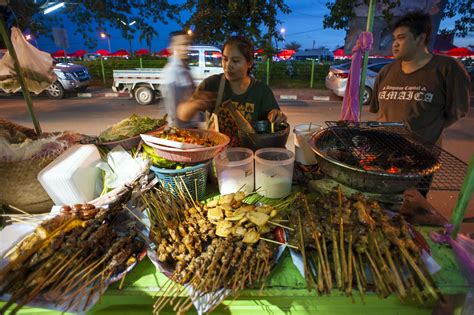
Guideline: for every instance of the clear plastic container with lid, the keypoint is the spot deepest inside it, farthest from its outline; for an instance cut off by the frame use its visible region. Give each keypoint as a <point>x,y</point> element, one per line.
<point>274,172</point>
<point>235,170</point>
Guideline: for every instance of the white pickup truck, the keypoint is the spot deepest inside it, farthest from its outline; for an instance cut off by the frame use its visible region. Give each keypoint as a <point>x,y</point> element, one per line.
<point>144,83</point>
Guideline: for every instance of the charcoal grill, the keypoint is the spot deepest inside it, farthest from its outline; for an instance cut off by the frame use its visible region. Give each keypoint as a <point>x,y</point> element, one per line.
<point>384,158</point>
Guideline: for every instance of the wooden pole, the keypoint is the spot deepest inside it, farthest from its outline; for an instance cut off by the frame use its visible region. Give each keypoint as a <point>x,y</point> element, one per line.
<point>19,74</point>
<point>370,25</point>
<point>463,199</point>
<point>312,73</point>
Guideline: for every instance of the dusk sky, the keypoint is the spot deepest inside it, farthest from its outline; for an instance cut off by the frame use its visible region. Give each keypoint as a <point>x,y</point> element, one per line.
<point>303,25</point>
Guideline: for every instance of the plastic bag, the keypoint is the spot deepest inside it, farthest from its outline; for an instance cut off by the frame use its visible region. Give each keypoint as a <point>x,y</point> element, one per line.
<point>37,66</point>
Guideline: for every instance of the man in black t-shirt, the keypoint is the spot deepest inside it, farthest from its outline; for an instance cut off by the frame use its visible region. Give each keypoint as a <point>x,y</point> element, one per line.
<point>427,92</point>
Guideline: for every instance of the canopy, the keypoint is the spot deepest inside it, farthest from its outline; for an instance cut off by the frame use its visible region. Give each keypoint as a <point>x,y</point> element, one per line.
<point>103,52</point>
<point>120,53</point>
<point>59,54</point>
<point>163,53</point>
<point>142,51</point>
<point>286,54</point>
<point>78,53</point>
<point>339,54</point>
<point>460,52</point>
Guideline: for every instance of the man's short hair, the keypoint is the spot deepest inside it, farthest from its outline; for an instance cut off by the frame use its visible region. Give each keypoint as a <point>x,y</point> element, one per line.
<point>176,33</point>
<point>418,22</point>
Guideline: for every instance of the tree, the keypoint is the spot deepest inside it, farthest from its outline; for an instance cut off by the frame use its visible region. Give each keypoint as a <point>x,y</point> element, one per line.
<point>293,46</point>
<point>147,34</point>
<point>342,12</point>
<point>89,16</point>
<point>213,21</point>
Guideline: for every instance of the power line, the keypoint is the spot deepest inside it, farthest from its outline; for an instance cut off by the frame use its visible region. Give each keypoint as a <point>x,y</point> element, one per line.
<point>308,31</point>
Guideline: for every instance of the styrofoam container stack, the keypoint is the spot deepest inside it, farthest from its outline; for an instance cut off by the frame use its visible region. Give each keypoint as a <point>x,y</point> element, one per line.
<point>72,177</point>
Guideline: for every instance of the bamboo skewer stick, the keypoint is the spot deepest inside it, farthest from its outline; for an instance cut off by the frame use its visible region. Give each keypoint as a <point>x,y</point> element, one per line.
<point>281,225</point>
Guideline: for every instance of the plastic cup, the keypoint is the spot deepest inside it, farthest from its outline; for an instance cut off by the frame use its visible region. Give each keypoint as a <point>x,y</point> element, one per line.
<point>303,152</point>
<point>235,170</point>
<point>274,172</point>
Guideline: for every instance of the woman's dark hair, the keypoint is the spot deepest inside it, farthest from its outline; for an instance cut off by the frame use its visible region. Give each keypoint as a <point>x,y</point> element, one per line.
<point>418,22</point>
<point>244,45</point>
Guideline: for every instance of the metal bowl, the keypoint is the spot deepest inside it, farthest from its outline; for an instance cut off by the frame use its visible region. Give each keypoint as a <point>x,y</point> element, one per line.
<point>355,177</point>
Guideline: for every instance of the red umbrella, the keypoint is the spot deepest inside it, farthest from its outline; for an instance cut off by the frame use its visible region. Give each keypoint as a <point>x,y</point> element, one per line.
<point>286,54</point>
<point>78,53</point>
<point>59,53</point>
<point>120,53</point>
<point>103,52</point>
<point>142,51</point>
<point>460,52</point>
<point>163,53</point>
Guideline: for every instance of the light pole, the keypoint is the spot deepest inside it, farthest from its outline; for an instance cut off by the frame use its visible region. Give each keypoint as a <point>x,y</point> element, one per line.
<point>104,35</point>
<point>127,25</point>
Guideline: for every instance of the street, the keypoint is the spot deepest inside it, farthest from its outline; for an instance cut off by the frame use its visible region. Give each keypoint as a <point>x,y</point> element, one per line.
<point>92,115</point>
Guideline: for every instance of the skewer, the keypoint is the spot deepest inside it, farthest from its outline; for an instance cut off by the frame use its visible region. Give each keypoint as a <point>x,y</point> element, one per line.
<point>280,225</point>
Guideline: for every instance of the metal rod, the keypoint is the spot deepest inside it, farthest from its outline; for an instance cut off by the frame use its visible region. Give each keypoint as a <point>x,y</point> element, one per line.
<point>19,74</point>
<point>370,25</point>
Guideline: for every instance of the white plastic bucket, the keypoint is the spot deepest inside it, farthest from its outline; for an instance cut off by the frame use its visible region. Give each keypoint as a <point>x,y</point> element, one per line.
<point>303,152</point>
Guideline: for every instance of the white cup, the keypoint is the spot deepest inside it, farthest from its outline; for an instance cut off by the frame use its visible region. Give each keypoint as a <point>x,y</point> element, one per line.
<point>303,152</point>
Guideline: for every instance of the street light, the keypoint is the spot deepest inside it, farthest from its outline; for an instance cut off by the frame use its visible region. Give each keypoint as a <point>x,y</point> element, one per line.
<point>30,37</point>
<point>54,7</point>
<point>104,35</point>
<point>190,32</point>
<point>128,33</point>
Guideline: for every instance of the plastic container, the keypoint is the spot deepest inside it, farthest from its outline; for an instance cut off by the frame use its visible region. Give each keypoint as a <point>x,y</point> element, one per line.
<point>235,170</point>
<point>303,152</point>
<point>274,172</point>
<point>73,176</point>
<point>194,178</point>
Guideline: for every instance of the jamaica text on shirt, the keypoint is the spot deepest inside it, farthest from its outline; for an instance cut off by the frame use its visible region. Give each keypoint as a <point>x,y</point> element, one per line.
<point>405,93</point>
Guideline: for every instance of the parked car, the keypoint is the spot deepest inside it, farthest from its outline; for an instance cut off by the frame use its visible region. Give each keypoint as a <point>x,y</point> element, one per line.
<point>336,80</point>
<point>144,84</point>
<point>71,78</point>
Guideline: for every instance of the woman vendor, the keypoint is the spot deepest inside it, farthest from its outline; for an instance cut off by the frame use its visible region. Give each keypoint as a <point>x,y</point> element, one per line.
<point>252,98</point>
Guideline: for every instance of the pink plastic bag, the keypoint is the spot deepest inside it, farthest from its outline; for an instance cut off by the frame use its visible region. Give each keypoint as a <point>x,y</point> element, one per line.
<point>37,66</point>
<point>463,248</point>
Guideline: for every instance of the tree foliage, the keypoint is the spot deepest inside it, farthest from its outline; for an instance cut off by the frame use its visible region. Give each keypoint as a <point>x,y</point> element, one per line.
<point>213,21</point>
<point>293,46</point>
<point>90,16</point>
<point>341,12</point>
<point>147,33</point>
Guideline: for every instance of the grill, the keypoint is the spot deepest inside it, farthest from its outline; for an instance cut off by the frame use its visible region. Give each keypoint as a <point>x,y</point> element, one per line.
<point>384,158</point>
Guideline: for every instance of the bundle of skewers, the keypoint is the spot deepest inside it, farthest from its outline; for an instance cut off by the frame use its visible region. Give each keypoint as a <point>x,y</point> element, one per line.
<point>351,242</point>
<point>68,260</point>
<point>214,249</point>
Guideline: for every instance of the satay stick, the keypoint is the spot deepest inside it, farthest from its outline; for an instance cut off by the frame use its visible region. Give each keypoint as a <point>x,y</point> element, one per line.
<point>275,242</point>
<point>358,276</point>
<point>280,225</point>
<point>19,210</point>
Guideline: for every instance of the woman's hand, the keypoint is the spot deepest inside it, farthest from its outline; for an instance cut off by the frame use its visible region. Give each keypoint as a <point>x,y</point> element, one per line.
<point>199,101</point>
<point>276,117</point>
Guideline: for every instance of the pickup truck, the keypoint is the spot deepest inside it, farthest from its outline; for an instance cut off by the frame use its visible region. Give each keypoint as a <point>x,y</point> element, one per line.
<point>144,83</point>
<point>71,78</point>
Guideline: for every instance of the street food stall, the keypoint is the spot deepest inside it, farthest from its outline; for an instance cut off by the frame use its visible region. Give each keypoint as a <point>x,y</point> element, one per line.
<point>165,240</point>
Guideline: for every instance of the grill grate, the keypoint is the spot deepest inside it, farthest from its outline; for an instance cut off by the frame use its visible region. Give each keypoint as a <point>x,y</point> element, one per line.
<point>392,148</point>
